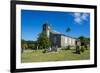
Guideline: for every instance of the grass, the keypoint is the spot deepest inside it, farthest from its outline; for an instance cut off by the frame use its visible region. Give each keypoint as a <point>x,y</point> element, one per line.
<point>62,55</point>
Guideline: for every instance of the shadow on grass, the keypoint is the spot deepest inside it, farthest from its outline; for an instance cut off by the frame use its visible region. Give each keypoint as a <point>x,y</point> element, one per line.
<point>76,52</point>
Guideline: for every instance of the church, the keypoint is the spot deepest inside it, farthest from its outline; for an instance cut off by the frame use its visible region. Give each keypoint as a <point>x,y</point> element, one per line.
<point>59,40</point>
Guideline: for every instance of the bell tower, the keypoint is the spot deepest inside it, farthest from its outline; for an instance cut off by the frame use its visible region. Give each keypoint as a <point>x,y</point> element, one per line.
<point>46,29</point>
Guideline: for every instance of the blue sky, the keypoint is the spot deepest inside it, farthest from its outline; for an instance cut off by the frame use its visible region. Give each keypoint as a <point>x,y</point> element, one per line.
<point>32,21</point>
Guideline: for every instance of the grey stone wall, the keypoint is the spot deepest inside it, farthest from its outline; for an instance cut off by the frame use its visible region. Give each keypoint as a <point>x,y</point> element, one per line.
<point>56,40</point>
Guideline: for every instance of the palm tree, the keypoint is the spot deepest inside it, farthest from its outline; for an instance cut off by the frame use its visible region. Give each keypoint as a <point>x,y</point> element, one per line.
<point>68,29</point>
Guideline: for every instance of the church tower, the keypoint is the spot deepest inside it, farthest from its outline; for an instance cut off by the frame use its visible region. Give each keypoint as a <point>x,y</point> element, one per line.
<point>46,29</point>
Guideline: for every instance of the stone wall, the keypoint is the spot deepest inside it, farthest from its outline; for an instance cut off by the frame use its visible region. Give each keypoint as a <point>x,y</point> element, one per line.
<point>66,41</point>
<point>56,40</point>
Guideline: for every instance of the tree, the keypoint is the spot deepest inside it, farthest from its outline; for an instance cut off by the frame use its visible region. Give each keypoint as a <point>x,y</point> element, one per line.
<point>85,42</point>
<point>23,42</point>
<point>43,41</point>
<point>24,46</point>
<point>31,46</point>
<point>84,39</point>
<point>68,29</point>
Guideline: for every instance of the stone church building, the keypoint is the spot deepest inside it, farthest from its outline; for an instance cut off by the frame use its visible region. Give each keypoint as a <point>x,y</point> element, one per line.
<point>59,40</point>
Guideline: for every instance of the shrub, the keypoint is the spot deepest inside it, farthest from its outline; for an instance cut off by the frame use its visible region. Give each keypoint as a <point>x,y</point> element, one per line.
<point>77,49</point>
<point>45,51</point>
<point>82,49</point>
<point>69,47</point>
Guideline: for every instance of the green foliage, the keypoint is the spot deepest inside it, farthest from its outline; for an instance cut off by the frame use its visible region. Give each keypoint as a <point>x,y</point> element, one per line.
<point>82,49</point>
<point>81,38</point>
<point>68,29</point>
<point>29,44</point>
<point>78,49</point>
<point>84,40</point>
<point>69,47</point>
<point>24,46</point>
<point>44,51</point>
<point>43,41</point>
<point>23,41</point>
<point>62,55</point>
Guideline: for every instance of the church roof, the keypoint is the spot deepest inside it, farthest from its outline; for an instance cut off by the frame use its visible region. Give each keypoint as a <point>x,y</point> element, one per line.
<point>58,33</point>
<point>55,32</point>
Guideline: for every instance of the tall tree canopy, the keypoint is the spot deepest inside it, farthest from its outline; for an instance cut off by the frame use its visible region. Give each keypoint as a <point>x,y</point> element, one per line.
<point>43,41</point>
<point>84,39</point>
<point>30,44</point>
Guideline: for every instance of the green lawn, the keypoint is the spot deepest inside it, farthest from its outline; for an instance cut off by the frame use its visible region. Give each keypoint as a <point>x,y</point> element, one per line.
<point>62,55</point>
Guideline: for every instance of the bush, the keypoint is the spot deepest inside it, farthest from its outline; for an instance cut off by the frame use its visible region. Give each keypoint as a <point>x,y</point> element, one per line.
<point>45,51</point>
<point>77,49</point>
<point>69,47</point>
<point>82,49</point>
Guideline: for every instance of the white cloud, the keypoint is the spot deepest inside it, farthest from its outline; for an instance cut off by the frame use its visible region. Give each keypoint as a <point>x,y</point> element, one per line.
<point>80,17</point>
<point>77,20</point>
<point>84,16</point>
<point>77,14</point>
